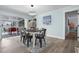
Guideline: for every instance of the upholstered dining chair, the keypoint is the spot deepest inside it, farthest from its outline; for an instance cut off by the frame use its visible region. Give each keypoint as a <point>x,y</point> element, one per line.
<point>41,36</point>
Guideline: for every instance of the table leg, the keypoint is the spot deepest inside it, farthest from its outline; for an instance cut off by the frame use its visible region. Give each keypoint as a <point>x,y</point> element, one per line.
<point>33,40</point>
<point>33,48</point>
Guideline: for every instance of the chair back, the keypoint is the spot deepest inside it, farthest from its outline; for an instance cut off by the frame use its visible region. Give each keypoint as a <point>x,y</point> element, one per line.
<point>44,31</point>
<point>25,34</point>
<point>22,33</point>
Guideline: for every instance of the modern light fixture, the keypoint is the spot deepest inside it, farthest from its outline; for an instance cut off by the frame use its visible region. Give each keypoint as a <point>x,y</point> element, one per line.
<point>32,13</point>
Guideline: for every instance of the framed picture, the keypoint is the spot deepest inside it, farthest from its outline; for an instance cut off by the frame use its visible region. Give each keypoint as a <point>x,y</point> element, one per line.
<point>47,20</point>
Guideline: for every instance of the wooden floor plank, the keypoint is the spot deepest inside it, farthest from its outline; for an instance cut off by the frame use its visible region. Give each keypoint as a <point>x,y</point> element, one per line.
<point>13,45</point>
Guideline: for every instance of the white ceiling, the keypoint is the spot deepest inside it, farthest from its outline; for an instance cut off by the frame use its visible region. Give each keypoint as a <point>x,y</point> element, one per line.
<point>37,8</point>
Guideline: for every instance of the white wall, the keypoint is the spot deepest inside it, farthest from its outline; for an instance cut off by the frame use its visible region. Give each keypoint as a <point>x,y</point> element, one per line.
<point>57,28</point>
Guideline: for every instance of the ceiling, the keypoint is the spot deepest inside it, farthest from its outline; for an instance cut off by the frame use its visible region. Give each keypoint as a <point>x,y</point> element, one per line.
<point>38,9</point>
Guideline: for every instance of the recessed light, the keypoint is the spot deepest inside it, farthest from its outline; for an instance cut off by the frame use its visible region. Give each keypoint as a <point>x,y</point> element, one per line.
<point>32,5</point>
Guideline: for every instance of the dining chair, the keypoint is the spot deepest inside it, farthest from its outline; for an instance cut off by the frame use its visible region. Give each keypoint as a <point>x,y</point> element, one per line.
<point>28,37</point>
<point>22,35</point>
<point>41,36</point>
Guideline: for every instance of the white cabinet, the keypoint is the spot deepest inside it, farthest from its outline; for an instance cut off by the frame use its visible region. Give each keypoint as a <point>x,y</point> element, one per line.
<point>78,28</point>
<point>0,32</point>
<point>78,32</point>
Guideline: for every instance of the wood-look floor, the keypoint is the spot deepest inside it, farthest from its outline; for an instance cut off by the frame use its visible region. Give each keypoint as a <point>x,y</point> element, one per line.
<point>14,45</point>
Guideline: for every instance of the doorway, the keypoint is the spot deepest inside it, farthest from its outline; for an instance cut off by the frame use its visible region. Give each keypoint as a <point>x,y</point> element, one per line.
<point>71,23</point>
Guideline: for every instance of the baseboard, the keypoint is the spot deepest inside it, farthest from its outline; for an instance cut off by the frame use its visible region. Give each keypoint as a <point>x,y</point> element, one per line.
<point>56,37</point>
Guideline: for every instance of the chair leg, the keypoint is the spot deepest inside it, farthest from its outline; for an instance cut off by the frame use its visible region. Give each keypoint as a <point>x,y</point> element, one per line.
<point>40,40</point>
<point>24,40</point>
<point>35,41</point>
<point>21,38</point>
<point>27,42</point>
<point>44,41</point>
<point>30,39</point>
